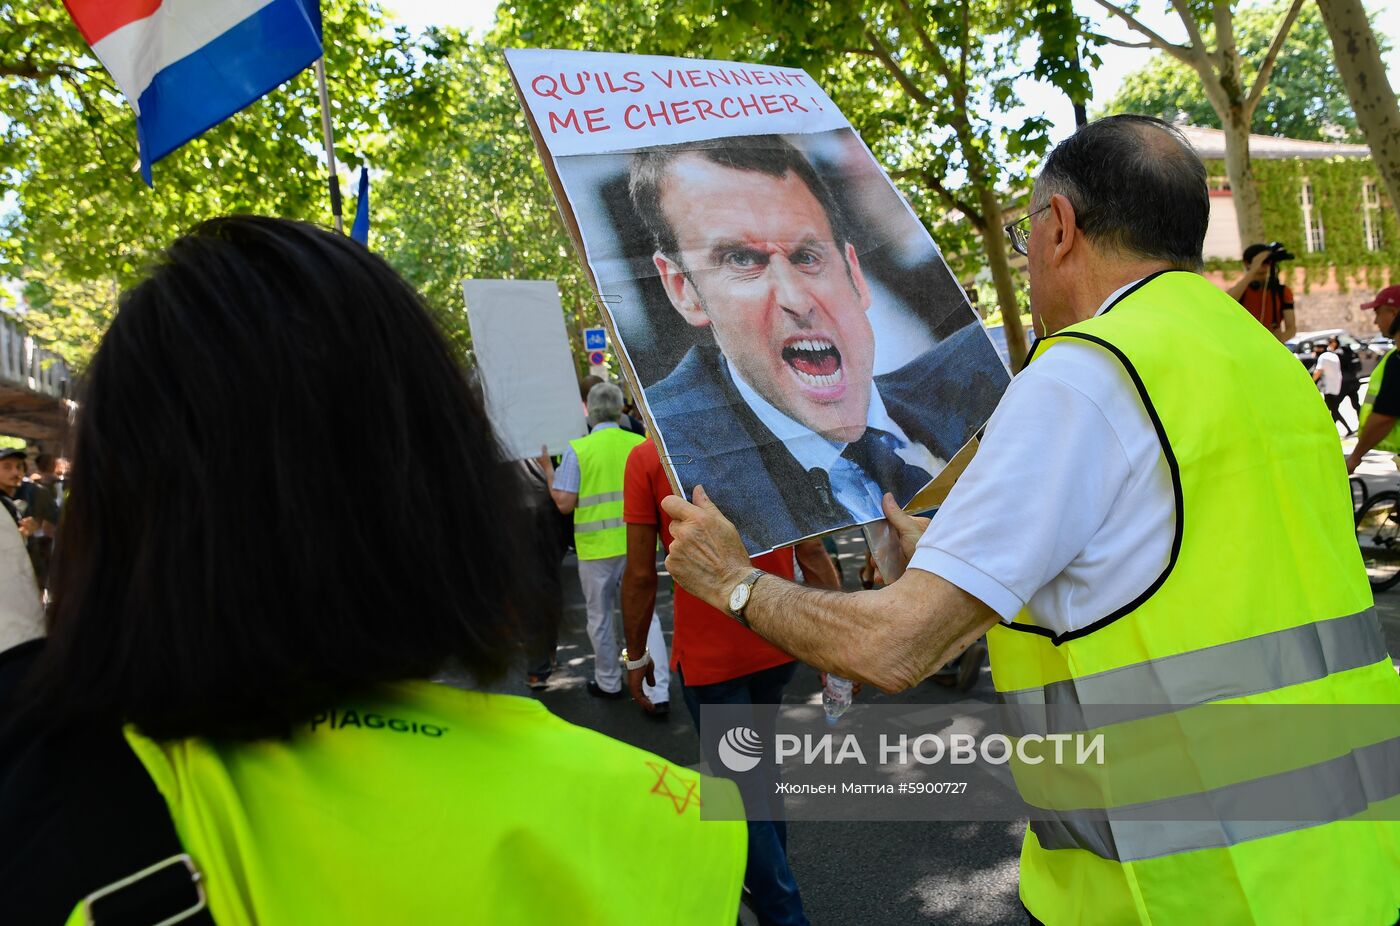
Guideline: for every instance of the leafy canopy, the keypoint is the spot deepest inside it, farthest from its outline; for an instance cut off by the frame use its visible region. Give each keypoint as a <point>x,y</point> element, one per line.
<point>1304,99</point>
<point>80,224</point>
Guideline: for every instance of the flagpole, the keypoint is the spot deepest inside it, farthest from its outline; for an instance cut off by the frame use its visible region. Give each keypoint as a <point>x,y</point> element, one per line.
<point>329,139</point>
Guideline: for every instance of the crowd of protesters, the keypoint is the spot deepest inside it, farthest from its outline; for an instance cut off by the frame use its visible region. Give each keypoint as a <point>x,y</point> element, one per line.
<point>236,704</point>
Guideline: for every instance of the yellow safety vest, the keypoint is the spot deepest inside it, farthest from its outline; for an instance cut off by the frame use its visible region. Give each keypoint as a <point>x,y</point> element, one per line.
<point>1264,602</point>
<point>602,462</point>
<point>429,804</point>
<point>1391,442</point>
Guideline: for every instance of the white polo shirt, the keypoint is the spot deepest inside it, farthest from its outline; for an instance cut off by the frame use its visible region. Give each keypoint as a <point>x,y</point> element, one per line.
<point>1068,504</point>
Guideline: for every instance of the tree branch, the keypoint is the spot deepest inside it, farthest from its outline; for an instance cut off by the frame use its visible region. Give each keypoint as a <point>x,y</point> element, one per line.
<point>1121,43</point>
<point>930,48</point>
<point>964,50</point>
<point>1180,52</point>
<point>950,199</point>
<point>1193,30</point>
<point>903,79</point>
<point>1261,80</point>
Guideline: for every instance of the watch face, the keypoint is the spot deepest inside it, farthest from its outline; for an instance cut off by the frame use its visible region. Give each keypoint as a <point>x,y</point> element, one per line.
<point>739,597</point>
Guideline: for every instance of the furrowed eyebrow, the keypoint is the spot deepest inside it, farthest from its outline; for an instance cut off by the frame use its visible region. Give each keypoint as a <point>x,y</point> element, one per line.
<point>729,245</point>
<point>812,244</point>
<point>721,248</point>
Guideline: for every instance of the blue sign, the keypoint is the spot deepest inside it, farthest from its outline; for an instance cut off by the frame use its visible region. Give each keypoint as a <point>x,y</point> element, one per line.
<point>596,358</point>
<point>595,339</point>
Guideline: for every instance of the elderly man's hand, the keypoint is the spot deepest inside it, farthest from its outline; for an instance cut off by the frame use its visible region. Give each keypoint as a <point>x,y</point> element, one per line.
<point>706,555</point>
<point>906,526</point>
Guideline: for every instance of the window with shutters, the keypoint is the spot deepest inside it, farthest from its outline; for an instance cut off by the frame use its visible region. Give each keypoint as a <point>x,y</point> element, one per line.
<point>1371,215</point>
<point>1314,237</point>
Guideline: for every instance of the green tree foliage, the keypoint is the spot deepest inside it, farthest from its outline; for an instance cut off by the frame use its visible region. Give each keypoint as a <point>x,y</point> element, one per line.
<point>1231,82</point>
<point>928,85</point>
<point>462,193</point>
<point>1304,99</point>
<point>82,224</point>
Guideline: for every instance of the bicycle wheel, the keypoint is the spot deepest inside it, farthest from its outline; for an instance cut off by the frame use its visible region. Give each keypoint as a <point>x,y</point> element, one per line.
<point>1378,532</point>
<point>1359,493</point>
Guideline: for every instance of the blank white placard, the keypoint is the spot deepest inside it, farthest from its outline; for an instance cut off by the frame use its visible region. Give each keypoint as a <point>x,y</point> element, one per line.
<point>522,351</point>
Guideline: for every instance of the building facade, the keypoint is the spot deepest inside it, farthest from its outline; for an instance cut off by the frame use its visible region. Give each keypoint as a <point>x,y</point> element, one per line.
<point>1326,203</point>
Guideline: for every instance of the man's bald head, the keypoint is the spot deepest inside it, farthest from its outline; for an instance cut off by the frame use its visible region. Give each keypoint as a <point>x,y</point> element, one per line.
<point>1137,188</point>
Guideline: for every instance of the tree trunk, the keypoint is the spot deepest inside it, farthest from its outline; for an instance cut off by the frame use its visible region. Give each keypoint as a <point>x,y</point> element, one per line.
<point>1244,191</point>
<point>994,240</point>
<point>1372,98</point>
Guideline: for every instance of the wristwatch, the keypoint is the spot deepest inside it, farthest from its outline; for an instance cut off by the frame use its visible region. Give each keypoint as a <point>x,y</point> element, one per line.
<point>630,665</point>
<point>739,597</point>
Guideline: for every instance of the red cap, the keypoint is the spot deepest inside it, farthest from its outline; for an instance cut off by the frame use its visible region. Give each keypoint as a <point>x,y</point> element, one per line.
<point>1388,296</point>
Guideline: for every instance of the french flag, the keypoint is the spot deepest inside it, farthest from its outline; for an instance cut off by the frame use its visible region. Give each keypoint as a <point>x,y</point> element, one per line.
<point>186,65</point>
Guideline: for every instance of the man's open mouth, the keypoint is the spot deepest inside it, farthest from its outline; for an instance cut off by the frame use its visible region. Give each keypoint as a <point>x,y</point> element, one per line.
<point>815,361</point>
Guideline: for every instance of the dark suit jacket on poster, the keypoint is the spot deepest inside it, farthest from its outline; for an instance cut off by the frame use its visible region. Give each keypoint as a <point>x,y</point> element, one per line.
<point>713,438</point>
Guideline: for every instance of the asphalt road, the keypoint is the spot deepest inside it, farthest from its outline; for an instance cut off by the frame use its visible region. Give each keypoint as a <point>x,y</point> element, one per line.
<point>858,873</point>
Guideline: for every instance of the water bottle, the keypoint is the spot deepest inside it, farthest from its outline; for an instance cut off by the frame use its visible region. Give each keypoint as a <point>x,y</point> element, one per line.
<point>836,697</point>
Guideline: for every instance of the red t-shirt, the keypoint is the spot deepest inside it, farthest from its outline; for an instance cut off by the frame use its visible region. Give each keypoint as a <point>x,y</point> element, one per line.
<point>709,645</point>
<point>1267,306</point>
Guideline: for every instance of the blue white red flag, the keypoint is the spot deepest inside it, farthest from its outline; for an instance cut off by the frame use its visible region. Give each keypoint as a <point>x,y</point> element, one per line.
<point>186,65</point>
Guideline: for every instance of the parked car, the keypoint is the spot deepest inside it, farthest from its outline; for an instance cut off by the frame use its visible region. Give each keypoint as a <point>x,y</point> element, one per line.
<point>1369,353</point>
<point>1380,344</point>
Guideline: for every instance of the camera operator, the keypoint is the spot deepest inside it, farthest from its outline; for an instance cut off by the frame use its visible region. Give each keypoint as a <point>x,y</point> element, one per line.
<point>1260,291</point>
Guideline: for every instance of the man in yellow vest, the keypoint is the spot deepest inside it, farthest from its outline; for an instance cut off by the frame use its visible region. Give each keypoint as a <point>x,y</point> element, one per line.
<point>589,483</point>
<point>1137,573</point>
<point>1379,424</point>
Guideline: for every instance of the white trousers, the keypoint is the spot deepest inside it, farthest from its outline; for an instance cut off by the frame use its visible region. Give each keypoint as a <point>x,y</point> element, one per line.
<point>602,585</point>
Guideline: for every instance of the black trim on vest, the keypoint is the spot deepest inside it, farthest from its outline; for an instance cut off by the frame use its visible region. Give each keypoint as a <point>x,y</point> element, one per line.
<point>1167,452</point>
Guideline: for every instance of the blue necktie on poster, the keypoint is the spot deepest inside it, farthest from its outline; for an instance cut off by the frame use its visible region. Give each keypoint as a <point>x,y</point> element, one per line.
<point>186,66</point>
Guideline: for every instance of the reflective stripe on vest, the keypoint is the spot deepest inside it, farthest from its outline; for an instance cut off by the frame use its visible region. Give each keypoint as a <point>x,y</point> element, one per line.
<point>1227,670</point>
<point>1391,442</point>
<point>602,462</point>
<point>1333,790</point>
<point>1263,601</point>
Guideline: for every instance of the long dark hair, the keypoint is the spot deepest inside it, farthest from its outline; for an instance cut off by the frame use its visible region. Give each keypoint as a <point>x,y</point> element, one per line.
<point>283,492</point>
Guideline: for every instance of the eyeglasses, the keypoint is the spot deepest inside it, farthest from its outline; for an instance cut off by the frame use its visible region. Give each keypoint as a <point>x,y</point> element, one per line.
<point>1019,231</point>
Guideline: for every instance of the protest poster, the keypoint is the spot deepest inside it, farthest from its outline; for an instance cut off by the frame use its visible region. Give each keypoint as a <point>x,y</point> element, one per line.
<point>797,342</point>
<point>526,368</point>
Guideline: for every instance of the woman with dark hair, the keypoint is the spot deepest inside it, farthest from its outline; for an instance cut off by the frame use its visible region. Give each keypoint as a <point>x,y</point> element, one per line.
<point>232,705</point>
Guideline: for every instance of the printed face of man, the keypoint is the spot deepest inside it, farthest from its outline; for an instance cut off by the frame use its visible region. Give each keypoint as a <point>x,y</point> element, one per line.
<point>787,305</point>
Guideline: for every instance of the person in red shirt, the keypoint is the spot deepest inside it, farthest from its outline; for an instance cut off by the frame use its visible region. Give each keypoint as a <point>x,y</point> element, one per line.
<point>718,660</point>
<point>1261,293</point>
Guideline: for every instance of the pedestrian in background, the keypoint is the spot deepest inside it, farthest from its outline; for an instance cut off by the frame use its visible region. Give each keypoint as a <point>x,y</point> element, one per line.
<point>718,662</point>
<point>588,484</point>
<point>12,469</point>
<point>549,539</point>
<point>1327,373</point>
<point>1379,422</point>
<point>1351,377</point>
<point>40,494</point>
<point>1262,294</point>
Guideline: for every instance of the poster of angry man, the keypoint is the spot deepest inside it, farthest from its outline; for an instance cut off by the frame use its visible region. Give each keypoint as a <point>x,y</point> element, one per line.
<point>799,346</point>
